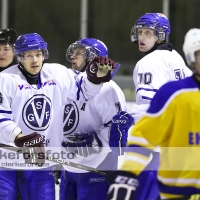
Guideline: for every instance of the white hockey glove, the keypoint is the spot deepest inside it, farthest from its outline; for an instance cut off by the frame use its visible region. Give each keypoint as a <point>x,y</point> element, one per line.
<point>83,144</point>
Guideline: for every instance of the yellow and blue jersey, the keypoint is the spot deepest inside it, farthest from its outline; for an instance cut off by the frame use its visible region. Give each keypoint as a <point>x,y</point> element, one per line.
<point>173,123</point>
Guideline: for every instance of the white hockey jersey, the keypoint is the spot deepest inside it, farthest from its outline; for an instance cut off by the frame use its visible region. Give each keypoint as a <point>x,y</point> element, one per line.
<point>151,72</point>
<point>94,115</point>
<point>39,108</point>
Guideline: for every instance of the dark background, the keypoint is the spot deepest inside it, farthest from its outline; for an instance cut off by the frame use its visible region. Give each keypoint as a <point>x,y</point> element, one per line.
<point>58,22</point>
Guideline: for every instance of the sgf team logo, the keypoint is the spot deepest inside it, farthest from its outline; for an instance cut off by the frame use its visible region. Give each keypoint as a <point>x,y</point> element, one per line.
<point>70,118</point>
<point>37,112</point>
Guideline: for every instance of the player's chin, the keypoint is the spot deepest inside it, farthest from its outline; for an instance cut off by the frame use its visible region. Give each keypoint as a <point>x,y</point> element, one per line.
<point>74,67</point>
<point>3,63</point>
<point>35,71</point>
<point>143,48</point>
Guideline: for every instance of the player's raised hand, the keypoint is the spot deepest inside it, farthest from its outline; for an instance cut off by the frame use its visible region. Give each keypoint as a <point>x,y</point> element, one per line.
<point>99,70</point>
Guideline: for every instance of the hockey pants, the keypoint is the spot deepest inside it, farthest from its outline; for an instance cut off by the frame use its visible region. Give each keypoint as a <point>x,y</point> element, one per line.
<point>36,185</point>
<point>87,186</point>
<point>8,184</point>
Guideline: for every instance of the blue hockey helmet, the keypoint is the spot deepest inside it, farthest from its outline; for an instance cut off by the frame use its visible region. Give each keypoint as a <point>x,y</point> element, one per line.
<point>156,21</point>
<point>28,42</point>
<point>93,47</point>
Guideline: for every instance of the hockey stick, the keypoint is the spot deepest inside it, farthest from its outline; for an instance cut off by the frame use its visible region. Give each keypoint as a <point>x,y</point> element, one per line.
<point>58,161</point>
<point>117,66</point>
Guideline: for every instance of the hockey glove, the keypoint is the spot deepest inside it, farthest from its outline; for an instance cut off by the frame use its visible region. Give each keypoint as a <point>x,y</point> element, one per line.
<point>32,148</point>
<point>122,185</point>
<point>83,144</point>
<point>119,132</point>
<point>99,70</point>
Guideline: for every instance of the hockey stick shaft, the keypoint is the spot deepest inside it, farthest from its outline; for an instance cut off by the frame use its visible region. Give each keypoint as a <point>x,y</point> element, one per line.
<point>58,161</point>
<point>117,66</point>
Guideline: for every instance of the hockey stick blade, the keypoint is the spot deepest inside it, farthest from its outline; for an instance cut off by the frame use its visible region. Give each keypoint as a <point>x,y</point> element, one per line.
<point>117,66</point>
<point>58,161</point>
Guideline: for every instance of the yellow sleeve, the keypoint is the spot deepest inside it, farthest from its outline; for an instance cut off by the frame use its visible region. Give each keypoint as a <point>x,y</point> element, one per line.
<point>150,131</point>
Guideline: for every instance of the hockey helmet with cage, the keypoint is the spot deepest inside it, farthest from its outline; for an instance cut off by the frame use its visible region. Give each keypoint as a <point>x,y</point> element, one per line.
<point>156,21</point>
<point>93,47</point>
<point>191,44</point>
<point>8,36</point>
<point>28,42</point>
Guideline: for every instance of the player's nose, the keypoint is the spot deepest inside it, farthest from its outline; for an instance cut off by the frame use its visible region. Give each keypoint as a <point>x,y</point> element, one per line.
<point>72,57</point>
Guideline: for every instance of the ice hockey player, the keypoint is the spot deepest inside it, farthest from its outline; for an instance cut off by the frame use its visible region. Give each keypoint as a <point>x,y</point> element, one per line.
<point>160,64</point>
<point>175,112</point>
<point>86,129</point>
<point>32,97</point>
<point>7,39</point>
<point>7,59</point>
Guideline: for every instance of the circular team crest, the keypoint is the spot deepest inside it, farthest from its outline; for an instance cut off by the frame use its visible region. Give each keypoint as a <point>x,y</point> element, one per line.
<point>37,112</point>
<point>70,118</point>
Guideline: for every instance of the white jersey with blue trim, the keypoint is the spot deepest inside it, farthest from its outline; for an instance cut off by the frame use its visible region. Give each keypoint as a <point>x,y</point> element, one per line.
<point>38,108</point>
<point>94,115</point>
<point>151,72</point>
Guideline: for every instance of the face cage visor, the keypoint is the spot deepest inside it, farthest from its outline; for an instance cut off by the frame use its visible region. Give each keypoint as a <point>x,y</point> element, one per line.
<point>134,32</point>
<point>90,53</point>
